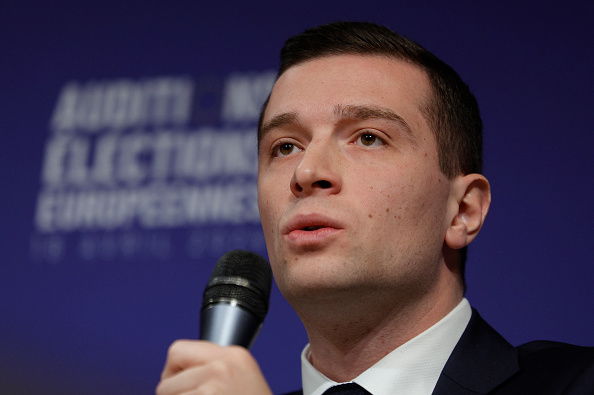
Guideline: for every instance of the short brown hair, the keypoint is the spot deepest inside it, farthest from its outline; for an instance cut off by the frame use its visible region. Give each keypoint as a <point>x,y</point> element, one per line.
<point>452,112</point>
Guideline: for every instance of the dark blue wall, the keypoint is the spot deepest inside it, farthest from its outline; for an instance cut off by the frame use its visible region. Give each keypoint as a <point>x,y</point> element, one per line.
<point>89,304</point>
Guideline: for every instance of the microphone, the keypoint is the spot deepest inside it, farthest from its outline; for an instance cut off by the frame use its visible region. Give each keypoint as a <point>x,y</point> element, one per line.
<point>236,299</point>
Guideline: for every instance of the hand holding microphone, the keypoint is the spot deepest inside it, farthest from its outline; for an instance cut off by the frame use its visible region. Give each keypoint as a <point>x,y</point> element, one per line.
<point>234,305</point>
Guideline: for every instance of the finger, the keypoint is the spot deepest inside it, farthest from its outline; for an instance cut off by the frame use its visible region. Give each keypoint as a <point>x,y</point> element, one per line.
<point>183,354</point>
<point>187,380</point>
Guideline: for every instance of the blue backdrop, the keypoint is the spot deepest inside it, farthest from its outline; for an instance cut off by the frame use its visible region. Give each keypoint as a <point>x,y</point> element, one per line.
<point>128,167</point>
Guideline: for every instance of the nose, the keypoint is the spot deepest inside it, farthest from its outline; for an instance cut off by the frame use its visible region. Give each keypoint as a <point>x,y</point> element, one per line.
<point>318,172</point>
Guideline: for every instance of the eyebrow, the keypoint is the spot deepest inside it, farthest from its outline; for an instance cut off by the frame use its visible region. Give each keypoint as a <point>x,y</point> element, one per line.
<point>360,112</point>
<point>277,121</point>
<point>363,112</point>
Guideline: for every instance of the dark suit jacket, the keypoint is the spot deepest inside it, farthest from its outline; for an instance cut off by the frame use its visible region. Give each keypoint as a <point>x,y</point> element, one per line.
<point>483,362</point>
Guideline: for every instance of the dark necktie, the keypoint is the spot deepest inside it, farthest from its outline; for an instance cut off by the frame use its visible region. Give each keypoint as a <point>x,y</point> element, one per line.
<point>347,389</point>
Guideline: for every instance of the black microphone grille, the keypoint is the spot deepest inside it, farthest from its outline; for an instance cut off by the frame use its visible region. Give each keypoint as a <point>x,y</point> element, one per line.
<point>241,277</point>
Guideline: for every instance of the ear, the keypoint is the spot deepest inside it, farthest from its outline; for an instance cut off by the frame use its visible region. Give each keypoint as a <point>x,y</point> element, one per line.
<point>470,198</point>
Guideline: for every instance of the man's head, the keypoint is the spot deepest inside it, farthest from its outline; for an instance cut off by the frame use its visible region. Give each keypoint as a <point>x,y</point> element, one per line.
<point>356,190</point>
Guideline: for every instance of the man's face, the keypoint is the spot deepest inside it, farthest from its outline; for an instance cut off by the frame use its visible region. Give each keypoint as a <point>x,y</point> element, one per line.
<point>350,192</point>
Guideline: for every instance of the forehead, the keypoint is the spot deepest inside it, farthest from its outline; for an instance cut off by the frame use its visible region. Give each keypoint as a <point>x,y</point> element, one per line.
<point>314,88</point>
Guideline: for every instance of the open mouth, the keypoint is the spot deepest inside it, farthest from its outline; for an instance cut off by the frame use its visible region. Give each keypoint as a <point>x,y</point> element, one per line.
<point>311,231</point>
<point>310,228</point>
<point>312,225</point>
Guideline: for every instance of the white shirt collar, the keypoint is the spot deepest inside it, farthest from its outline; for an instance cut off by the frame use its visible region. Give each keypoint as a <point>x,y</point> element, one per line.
<point>411,369</point>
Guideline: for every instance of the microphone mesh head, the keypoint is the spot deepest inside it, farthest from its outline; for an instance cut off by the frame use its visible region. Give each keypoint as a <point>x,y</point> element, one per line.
<point>244,277</point>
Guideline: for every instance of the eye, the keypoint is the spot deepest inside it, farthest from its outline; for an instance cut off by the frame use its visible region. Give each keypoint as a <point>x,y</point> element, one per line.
<point>285,149</point>
<point>369,140</point>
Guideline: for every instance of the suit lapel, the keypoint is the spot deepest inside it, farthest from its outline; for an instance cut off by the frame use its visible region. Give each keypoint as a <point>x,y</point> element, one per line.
<point>481,361</point>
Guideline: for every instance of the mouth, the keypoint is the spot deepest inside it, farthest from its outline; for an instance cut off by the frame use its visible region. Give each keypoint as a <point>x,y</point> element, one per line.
<point>310,229</point>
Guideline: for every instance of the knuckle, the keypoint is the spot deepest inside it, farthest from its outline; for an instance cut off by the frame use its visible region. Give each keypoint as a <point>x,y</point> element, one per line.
<point>160,390</point>
<point>210,389</point>
<point>220,370</point>
<point>241,355</point>
<point>175,348</point>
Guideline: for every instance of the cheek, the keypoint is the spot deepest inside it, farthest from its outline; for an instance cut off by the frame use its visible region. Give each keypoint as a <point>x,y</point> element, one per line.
<point>268,222</point>
<point>271,200</point>
<point>264,206</point>
<point>266,218</point>
<point>411,206</point>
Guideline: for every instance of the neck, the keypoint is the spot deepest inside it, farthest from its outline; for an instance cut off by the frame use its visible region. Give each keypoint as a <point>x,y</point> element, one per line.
<point>348,337</point>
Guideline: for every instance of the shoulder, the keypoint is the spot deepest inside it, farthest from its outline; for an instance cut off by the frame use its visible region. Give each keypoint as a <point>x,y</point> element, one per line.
<point>555,356</point>
<point>545,348</point>
<point>554,367</point>
<point>484,362</point>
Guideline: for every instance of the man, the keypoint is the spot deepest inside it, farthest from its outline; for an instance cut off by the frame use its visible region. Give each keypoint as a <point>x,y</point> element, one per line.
<point>369,192</point>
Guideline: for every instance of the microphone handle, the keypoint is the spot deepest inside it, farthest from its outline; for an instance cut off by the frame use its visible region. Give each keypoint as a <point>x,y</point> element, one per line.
<point>228,324</point>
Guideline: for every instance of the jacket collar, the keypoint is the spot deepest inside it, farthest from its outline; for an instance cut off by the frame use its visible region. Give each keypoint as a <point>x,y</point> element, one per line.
<point>481,361</point>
